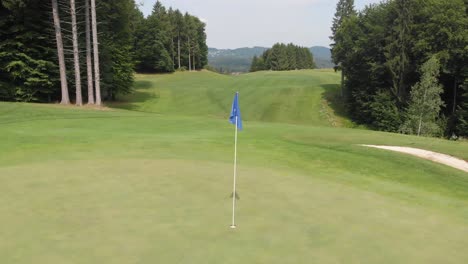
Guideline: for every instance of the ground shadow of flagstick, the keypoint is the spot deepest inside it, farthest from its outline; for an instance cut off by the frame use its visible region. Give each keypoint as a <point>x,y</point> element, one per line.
<point>237,196</point>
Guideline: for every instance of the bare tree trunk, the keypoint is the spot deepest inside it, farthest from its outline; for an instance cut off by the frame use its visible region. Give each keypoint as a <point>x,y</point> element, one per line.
<point>178,43</point>
<point>189,56</point>
<point>89,63</point>
<point>173,52</point>
<point>420,124</point>
<point>342,83</point>
<point>193,63</point>
<point>96,53</point>
<point>76,54</point>
<point>421,115</point>
<point>454,96</point>
<point>61,57</point>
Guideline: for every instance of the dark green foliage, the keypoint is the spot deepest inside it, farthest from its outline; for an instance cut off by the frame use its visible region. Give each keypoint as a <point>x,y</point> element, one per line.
<point>158,38</point>
<point>344,10</point>
<point>462,113</point>
<point>257,64</point>
<point>116,39</point>
<point>282,57</point>
<point>28,70</point>
<point>153,45</point>
<point>398,47</point>
<point>381,52</point>
<point>341,40</point>
<point>28,60</point>
<point>385,114</point>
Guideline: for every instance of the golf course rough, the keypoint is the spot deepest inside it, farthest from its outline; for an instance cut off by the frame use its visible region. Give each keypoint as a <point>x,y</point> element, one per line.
<point>149,180</point>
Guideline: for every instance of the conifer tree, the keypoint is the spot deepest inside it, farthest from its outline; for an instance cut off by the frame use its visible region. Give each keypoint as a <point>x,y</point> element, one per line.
<point>344,10</point>
<point>28,58</point>
<point>398,48</point>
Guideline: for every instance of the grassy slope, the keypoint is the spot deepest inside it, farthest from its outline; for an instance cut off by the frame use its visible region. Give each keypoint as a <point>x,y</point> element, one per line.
<point>292,97</point>
<point>85,186</point>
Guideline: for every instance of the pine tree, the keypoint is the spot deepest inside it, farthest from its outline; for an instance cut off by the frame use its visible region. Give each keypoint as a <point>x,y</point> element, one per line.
<point>283,57</point>
<point>116,45</point>
<point>28,58</point>
<point>344,10</point>
<point>153,49</point>
<point>398,61</point>
<point>425,102</point>
<point>254,65</point>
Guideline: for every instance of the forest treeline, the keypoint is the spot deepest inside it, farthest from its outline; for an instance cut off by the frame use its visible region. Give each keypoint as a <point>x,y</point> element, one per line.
<point>283,57</point>
<point>404,65</point>
<point>168,40</point>
<point>125,41</point>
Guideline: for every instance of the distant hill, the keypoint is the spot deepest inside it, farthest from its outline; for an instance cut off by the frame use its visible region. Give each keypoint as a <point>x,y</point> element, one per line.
<point>322,57</point>
<point>239,60</point>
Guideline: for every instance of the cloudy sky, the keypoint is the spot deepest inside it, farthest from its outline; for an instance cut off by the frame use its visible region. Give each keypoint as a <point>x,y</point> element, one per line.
<point>248,23</point>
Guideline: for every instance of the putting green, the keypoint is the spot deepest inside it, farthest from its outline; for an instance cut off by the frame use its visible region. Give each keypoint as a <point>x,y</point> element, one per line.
<point>120,186</point>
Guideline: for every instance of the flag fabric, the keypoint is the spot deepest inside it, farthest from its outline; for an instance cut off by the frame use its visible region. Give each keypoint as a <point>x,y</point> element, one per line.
<point>235,112</point>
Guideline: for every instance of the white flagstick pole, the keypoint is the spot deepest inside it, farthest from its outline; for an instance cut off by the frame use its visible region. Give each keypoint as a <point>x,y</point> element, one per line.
<point>235,174</point>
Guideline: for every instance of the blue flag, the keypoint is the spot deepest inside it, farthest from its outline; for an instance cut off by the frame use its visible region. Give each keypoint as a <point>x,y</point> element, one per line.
<point>235,112</point>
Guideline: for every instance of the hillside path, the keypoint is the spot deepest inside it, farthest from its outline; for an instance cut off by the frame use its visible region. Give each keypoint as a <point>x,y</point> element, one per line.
<point>429,155</point>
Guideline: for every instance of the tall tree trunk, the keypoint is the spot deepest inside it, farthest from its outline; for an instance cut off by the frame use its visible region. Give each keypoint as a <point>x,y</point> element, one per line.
<point>172,52</point>
<point>61,57</point>
<point>454,96</point>
<point>178,52</point>
<point>342,83</point>
<point>421,115</point>
<point>193,63</point>
<point>420,124</point>
<point>96,53</point>
<point>89,63</point>
<point>76,54</point>
<point>189,56</point>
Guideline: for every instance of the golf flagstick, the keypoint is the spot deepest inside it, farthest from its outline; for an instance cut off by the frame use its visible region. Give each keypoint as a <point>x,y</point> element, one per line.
<point>235,119</point>
<point>233,225</point>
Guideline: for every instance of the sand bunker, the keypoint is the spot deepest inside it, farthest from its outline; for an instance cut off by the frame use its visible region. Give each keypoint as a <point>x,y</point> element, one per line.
<point>429,155</point>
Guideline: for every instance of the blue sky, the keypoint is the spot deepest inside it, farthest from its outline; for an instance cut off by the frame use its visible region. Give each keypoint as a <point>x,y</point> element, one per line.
<point>248,23</point>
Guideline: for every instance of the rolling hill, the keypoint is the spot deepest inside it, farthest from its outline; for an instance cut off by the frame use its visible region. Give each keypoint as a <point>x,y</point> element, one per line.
<point>148,179</point>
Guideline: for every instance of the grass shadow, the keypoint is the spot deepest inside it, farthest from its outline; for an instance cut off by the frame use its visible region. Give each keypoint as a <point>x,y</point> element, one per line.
<point>333,98</point>
<point>142,84</point>
<point>132,101</point>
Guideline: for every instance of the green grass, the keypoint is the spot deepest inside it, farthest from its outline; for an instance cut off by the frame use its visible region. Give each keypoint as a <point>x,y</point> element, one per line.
<point>153,184</point>
<point>288,97</point>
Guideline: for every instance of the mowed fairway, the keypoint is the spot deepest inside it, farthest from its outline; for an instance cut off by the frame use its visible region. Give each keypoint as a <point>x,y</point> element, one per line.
<point>288,97</point>
<point>150,181</point>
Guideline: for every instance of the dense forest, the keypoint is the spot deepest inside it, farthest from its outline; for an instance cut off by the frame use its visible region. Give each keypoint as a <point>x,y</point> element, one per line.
<point>282,57</point>
<point>168,40</point>
<point>48,49</point>
<point>404,65</point>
